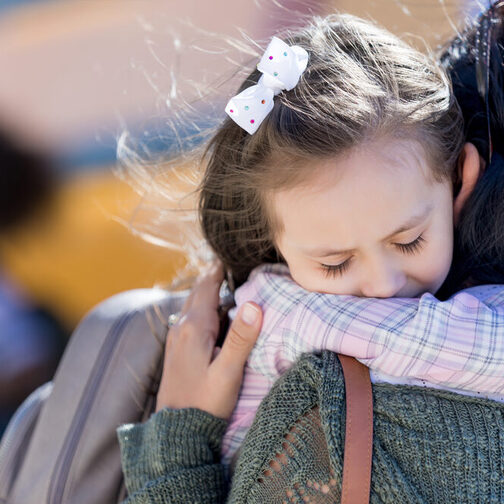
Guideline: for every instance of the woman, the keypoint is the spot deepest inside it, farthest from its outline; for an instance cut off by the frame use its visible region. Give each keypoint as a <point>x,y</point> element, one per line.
<point>429,446</point>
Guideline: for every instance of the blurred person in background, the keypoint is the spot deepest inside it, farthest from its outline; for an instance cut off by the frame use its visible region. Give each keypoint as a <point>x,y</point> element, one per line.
<point>31,339</point>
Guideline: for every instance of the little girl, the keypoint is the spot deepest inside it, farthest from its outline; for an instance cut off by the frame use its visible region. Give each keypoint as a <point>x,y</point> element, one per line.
<point>344,160</point>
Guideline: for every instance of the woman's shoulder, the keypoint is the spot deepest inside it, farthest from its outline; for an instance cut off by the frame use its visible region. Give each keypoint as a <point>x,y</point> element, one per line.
<point>292,397</point>
<point>434,443</point>
<point>412,425</point>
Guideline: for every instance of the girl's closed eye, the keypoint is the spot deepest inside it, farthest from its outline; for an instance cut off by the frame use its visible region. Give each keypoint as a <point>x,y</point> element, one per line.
<point>406,248</point>
<point>412,247</point>
<point>331,270</point>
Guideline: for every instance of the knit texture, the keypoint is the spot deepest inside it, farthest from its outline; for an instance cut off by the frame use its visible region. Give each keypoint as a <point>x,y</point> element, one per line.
<point>429,446</point>
<point>159,469</point>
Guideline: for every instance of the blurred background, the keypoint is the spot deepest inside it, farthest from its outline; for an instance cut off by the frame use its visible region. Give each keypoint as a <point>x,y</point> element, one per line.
<point>76,74</point>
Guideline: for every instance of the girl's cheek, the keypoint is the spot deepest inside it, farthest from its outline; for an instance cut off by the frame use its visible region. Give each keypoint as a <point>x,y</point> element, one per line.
<point>317,281</point>
<point>306,278</point>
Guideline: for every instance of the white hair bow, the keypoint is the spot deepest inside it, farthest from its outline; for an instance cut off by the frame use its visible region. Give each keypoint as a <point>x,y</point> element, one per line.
<point>281,66</point>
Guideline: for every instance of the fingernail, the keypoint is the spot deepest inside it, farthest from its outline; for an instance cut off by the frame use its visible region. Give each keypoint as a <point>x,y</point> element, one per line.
<point>249,314</point>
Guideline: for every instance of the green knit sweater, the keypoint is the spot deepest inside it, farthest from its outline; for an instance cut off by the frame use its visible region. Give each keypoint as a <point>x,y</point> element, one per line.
<point>429,446</point>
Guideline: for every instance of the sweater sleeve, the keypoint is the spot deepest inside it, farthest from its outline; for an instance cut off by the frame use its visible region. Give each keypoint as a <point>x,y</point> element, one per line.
<point>457,343</point>
<point>173,457</point>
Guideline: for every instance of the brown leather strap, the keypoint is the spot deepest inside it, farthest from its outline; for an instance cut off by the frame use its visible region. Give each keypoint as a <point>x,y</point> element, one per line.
<point>356,484</point>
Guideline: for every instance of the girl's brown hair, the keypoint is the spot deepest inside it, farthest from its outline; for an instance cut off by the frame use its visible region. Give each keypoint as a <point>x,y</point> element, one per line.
<point>361,83</point>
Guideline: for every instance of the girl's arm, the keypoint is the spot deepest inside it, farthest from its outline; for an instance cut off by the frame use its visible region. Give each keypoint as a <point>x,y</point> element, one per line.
<point>458,343</point>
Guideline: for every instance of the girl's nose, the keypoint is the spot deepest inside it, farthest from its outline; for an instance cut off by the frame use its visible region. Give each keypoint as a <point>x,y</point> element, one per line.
<point>382,280</point>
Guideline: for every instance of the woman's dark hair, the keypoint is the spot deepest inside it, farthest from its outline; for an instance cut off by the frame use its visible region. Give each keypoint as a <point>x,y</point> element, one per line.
<point>26,181</point>
<point>361,84</point>
<point>474,60</point>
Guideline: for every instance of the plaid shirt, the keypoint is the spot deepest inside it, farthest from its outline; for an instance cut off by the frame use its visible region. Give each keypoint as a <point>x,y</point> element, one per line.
<point>456,344</point>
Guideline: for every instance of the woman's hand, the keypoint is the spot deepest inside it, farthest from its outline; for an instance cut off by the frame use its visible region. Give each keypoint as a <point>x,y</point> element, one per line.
<point>196,374</point>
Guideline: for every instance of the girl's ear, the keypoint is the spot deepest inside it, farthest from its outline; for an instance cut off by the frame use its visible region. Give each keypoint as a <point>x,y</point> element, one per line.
<point>470,167</point>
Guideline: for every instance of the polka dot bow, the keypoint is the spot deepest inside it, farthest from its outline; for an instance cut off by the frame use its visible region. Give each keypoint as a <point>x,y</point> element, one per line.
<point>281,67</point>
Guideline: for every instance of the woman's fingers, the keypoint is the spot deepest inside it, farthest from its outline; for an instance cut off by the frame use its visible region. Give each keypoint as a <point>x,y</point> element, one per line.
<point>193,338</point>
<point>205,292</point>
<point>241,338</point>
<point>225,372</point>
<point>198,315</point>
<point>197,375</point>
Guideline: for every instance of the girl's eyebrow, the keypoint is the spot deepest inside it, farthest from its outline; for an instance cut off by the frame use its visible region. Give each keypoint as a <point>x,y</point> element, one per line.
<point>413,221</point>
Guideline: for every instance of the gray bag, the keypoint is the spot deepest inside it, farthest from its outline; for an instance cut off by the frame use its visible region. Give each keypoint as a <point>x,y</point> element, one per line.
<point>60,447</point>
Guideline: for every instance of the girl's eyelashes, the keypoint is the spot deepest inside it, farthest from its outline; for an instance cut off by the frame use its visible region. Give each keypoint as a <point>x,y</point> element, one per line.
<point>331,270</point>
<point>412,247</point>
